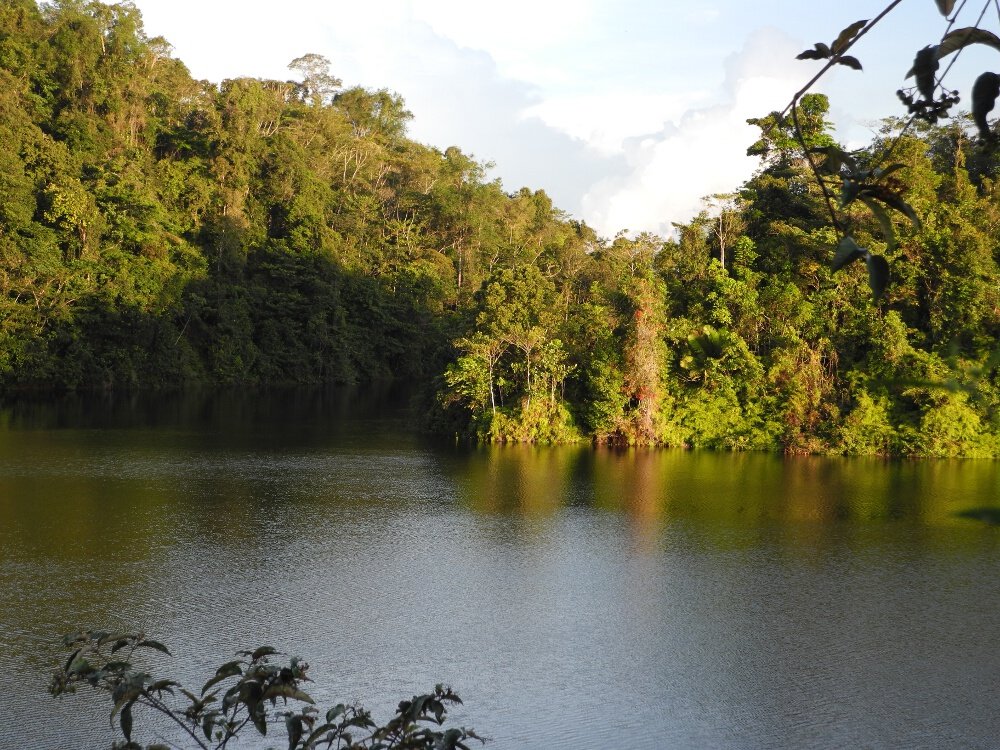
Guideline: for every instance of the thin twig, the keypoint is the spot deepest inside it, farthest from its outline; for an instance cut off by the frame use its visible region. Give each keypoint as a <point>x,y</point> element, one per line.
<point>793,107</point>
<point>958,52</point>
<point>165,710</point>
<point>896,140</point>
<point>834,60</point>
<point>167,741</point>
<point>815,170</point>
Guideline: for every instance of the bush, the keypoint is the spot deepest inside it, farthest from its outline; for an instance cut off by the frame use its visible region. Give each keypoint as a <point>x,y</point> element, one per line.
<point>253,686</point>
<point>867,430</point>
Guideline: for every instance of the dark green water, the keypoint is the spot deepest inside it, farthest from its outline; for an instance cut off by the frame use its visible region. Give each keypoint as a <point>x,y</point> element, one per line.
<point>575,598</point>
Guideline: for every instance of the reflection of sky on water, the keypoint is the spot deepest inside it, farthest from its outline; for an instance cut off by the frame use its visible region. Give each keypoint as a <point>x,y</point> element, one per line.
<point>575,597</point>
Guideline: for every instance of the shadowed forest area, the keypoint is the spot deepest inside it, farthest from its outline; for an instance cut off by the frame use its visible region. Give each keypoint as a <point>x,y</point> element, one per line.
<point>160,232</point>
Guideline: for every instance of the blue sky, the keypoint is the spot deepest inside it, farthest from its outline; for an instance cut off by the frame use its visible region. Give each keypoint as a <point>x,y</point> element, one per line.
<point>627,113</point>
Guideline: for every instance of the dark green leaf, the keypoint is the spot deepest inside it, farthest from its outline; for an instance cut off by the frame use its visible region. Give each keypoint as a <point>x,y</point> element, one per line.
<point>262,651</point>
<point>80,666</point>
<point>229,669</point>
<point>894,201</point>
<point>450,739</point>
<point>985,91</point>
<point>232,697</point>
<point>961,38</point>
<point>851,62</point>
<point>207,725</point>
<point>336,711</point>
<point>71,639</point>
<point>71,659</point>
<point>259,718</point>
<point>849,192</point>
<point>122,698</point>
<point>126,721</point>
<point>888,232</point>
<point>318,732</point>
<point>154,644</point>
<point>925,65</point>
<point>848,251</point>
<point>293,724</point>
<point>847,35</point>
<point>286,691</point>
<point>836,158</point>
<point>885,171</point>
<point>164,685</point>
<point>952,42</point>
<point>100,636</point>
<point>814,54</point>
<point>878,274</point>
<point>945,6</point>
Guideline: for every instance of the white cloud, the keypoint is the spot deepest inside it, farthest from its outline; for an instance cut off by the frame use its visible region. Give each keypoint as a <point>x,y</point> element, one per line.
<point>226,40</point>
<point>700,153</point>
<point>462,98</point>
<point>519,35</point>
<point>606,120</point>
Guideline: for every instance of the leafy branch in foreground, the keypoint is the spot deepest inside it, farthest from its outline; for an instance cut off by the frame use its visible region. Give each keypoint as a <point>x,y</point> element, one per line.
<point>923,102</point>
<point>251,687</point>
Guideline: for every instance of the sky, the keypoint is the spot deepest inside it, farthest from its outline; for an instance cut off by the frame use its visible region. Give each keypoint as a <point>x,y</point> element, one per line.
<point>626,112</point>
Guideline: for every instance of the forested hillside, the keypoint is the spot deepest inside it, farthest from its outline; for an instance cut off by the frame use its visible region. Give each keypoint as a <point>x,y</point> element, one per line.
<point>157,231</point>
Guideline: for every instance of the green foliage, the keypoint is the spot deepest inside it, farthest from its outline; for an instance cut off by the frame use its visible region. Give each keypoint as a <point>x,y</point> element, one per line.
<point>249,691</point>
<point>603,408</point>
<point>923,104</point>
<point>781,139</point>
<point>713,419</point>
<point>157,231</point>
<point>544,422</point>
<point>867,429</point>
<point>948,428</point>
<point>263,231</point>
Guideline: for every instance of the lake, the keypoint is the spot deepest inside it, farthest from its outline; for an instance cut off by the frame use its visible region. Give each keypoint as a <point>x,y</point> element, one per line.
<point>574,597</point>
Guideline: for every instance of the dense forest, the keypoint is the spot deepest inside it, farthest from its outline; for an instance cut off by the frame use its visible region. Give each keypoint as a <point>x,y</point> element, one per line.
<point>157,231</point>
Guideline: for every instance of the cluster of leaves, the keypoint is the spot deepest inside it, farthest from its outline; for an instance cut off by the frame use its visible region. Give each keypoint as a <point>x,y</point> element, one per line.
<point>251,687</point>
<point>835,50</point>
<point>875,189</point>
<point>923,103</point>
<point>925,68</point>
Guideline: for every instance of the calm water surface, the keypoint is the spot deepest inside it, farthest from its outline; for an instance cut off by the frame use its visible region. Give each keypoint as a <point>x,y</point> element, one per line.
<point>575,598</point>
